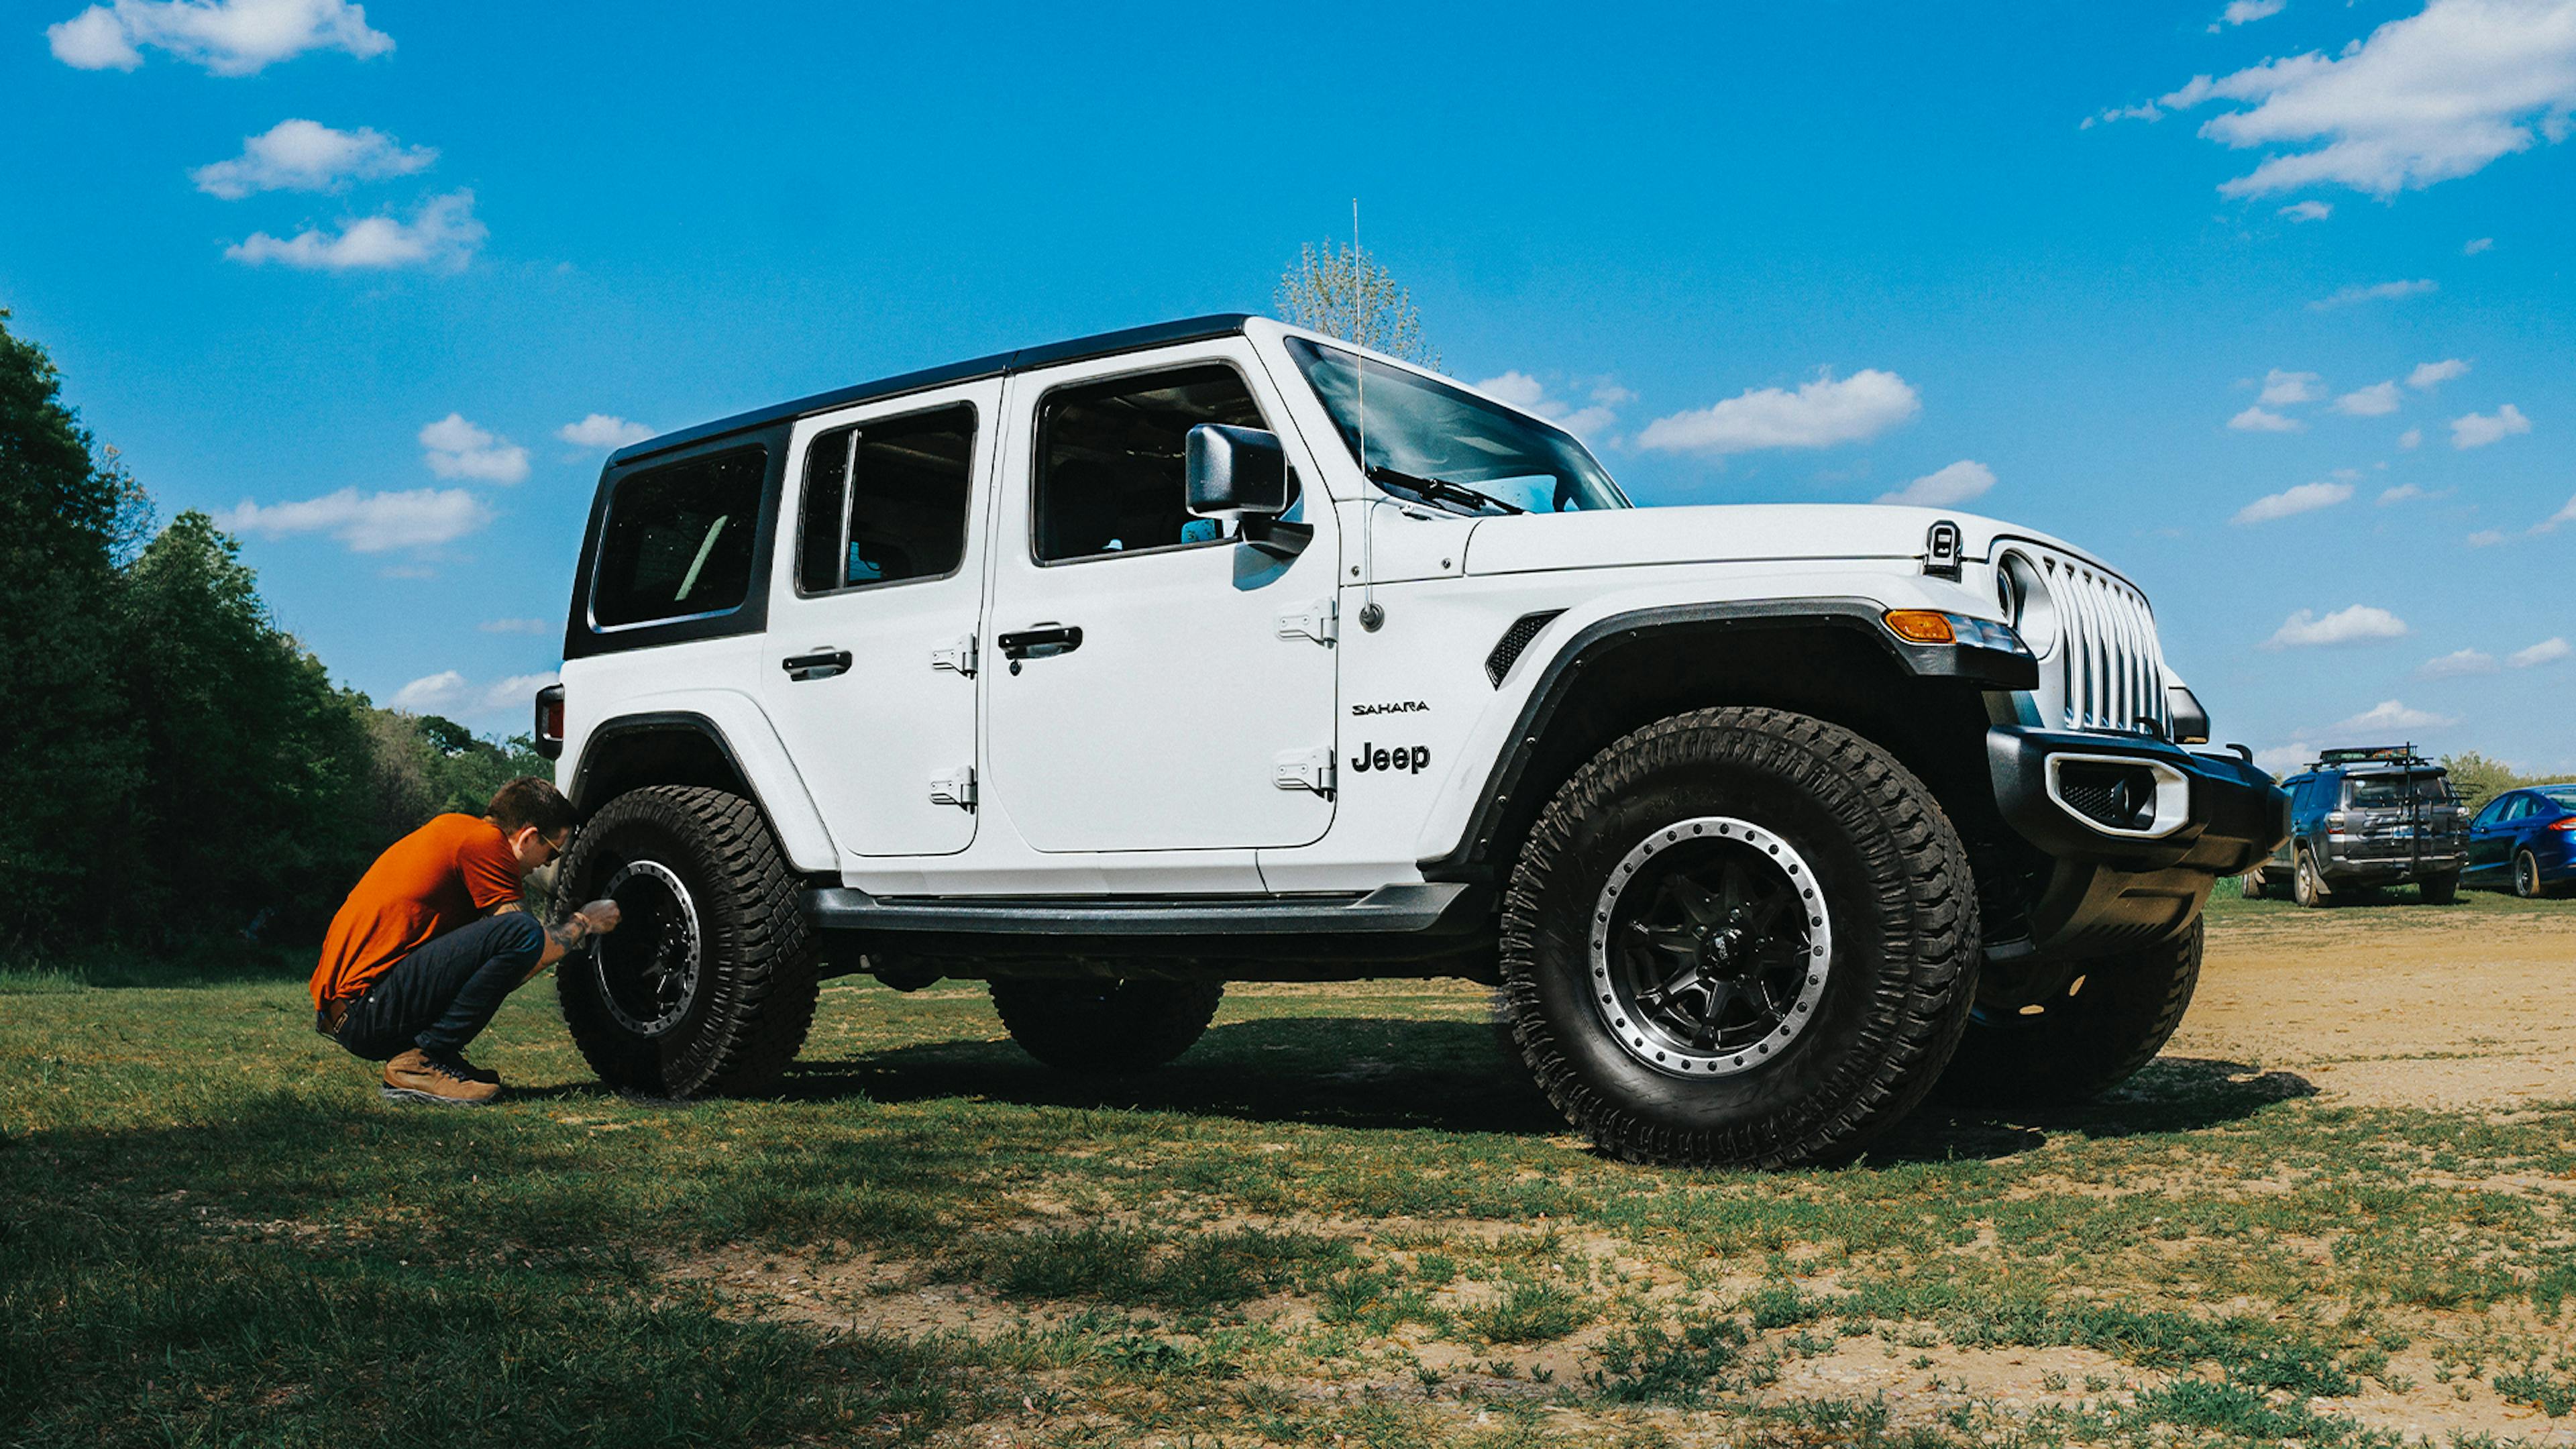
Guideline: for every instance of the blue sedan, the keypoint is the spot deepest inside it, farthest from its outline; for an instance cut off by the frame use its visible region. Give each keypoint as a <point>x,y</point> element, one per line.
<point>2524,841</point>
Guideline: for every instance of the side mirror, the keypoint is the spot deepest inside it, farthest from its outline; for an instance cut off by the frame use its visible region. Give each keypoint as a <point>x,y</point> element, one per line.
<point>1236,473</point>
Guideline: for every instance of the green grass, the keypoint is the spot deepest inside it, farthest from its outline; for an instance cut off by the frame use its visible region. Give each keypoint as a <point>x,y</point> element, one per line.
<point>1341,1214</point>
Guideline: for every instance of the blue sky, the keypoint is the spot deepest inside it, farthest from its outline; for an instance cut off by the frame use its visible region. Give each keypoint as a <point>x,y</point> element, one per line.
<point>1778,253</point>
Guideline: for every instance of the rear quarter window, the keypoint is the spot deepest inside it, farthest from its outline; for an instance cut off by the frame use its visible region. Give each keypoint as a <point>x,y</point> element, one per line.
<point>679,540</point>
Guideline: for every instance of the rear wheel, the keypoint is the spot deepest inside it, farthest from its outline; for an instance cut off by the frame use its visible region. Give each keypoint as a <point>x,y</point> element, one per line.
<point>1740,937</point>
<point>708,985</point>
<point>2526,876</point>
<point>2042,1034</point>
<point>1096,1026</point>
<point>2306,886</point>
<point>2440,890</point>
<point>2251,884</point>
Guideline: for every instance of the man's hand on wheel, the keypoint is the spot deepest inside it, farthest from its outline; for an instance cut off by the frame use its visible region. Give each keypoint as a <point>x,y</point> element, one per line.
<point>602,916</point>
<point>565,936</point>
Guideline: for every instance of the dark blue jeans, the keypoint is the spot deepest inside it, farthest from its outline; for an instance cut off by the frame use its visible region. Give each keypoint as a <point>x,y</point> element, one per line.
<point>441,996</point>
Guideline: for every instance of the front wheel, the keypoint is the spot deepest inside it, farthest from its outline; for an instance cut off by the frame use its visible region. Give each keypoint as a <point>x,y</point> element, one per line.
<point>1089,1026</point>
<point>1739,937</point>
<point>2045,1035</point>
<point>708,985</point>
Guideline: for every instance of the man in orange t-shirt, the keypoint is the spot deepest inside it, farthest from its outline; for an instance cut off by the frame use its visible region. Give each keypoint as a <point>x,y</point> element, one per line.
<point>434,937</point>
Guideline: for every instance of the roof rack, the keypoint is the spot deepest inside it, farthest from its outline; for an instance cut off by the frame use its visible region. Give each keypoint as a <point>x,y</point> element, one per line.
<point>2402,755</point>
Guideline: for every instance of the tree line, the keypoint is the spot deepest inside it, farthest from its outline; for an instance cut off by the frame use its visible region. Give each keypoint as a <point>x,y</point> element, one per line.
<point>179,772</point>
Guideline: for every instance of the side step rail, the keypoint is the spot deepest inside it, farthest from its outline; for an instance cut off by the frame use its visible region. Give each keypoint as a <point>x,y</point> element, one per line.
<point>1389,909</point>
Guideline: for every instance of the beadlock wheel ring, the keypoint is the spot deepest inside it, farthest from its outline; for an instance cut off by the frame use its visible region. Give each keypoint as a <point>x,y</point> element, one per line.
<point>1710,947</point>
<point>648,969</point>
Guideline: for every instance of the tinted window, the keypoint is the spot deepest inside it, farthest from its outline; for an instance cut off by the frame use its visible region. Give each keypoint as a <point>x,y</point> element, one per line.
<point>678,541</point>
<point>2521,809</point>
<point>886,501</point>
<point>2562,796</point>
<point>2494,811</point>
<point>2371,792</point>
<point>1112,455</point>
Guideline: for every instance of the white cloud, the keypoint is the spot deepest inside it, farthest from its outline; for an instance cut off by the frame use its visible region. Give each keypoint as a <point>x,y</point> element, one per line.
<point>227,37</point>
<point>2434,96</point>
<point>1531,396</point>
<point>517,626</point>
<point>2359,624</point>
<point>2240,11</point>
<point>309,156</point>
<point>2476,245</point>
<point>366,522</point>
<point>442,236</point>
<point>2305,498</point>
<point>455,448</point>
<point>2307,211</point>
<point>2484,538</point>
<point>2280,389</point>
<point>449,692</point>
<point>2563,515</point>
<point>1957,483</point>
<point>2479,429</point>
<point>2411,438</point>
<point>2379,292</point>
<point>2459,663</point>
<point>2547,651</point>
<point>2400,494</point>
<point>2390,714</point>
<point>599,430</point>
<point>2256,420</point>
<point>2377,400</point>
<point>2429,375</point>
<point>1819,414</point>
<point>2284,759</point>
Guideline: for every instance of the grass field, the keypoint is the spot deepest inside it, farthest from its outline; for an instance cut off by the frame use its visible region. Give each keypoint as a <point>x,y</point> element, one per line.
<point>1341,1219</point>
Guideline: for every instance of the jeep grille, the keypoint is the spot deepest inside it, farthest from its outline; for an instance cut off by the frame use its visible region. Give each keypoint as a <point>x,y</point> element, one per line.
<point>2104,670</point>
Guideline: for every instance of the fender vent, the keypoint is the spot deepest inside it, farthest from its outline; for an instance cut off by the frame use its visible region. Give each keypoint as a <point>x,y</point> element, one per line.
<point>1514,640</point>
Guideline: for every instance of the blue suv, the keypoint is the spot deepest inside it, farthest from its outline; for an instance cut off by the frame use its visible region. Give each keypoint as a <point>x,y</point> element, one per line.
<point>2525,841</point>
<point>2365,818</point>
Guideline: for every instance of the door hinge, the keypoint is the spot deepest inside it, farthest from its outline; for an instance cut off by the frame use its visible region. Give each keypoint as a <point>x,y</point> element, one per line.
<point>959,656</point>
<point>957,788</point>
<point>1320,622</point>
<point>1304,770</point>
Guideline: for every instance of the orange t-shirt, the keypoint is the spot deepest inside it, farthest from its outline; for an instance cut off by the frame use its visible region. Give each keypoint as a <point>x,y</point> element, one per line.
<point>441,876</point>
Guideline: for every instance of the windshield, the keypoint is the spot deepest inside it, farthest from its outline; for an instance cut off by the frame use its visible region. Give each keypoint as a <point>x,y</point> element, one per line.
<point>1448,447</point>
<point>2383,790</point>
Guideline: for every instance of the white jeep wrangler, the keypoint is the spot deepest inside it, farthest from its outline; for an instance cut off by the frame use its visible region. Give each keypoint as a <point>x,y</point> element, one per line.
<point>1112,671</point>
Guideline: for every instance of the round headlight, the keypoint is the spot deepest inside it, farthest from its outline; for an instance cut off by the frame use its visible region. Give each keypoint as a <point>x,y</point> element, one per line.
<point>2028,606</point>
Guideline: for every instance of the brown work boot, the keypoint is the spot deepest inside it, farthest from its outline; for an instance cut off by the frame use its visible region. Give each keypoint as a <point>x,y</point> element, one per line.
<point>416,1076</point>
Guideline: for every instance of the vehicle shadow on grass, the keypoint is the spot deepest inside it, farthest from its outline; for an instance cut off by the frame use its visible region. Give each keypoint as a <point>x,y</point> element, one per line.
<point>1451,1076</point>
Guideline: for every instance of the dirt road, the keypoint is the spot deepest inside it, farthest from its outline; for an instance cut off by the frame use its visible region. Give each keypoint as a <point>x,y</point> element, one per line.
<point>2396,1005</point>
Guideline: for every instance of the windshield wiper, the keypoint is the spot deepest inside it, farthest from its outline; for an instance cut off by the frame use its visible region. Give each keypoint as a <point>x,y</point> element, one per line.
<point>1434,489</point>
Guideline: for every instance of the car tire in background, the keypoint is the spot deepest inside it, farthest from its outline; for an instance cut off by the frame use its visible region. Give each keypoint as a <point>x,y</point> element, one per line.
<point>2306,886</point>
<point>2091,1029</point>
<point>2251,885</point>
<point>1097,1026</point>
<point>708,985</point>
<point>2440,890</point>
<point>1739,937</point>
<point>2526,876</point>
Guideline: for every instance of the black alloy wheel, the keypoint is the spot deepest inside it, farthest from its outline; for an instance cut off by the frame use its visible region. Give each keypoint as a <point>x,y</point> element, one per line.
<point>2526,876</point>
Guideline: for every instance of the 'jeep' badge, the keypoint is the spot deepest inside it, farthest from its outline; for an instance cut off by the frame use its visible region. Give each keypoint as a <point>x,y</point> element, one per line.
<point>1411,759</point>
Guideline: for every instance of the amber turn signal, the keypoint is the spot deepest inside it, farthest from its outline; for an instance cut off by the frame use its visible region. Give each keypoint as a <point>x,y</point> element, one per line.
<point>1920,626</point>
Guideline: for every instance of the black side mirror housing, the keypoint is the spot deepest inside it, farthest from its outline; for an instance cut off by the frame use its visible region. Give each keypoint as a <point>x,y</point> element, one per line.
<point>1236,473</point>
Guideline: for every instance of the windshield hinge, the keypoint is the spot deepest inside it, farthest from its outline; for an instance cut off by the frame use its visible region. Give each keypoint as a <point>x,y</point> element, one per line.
<point>1941,551</point>
<point>1320,621</point>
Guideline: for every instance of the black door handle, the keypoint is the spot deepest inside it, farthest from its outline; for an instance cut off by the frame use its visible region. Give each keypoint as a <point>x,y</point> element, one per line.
<point>1041,642</point>
<point>821,664</point>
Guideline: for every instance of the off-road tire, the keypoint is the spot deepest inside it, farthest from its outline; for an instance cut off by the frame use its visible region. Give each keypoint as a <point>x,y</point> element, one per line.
<point>2307,887</point>
<point>1890,870</point>
<point>2111,1018</point>
<point>2440,890</point>
<point>756,984</point>
<point>1098,1027</point>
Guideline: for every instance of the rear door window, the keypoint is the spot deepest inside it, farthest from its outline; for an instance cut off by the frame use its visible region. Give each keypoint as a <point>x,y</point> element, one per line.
<point>678,540</point>
<point>886,501</point>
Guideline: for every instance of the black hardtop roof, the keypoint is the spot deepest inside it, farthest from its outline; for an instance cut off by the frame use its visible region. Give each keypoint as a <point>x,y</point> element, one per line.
<point>1104,344</point>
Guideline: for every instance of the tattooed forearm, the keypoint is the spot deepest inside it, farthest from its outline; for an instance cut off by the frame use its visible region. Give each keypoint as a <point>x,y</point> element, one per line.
<point>568,934</point>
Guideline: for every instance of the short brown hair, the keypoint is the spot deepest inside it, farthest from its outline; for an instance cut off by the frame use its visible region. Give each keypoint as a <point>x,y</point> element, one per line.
<point>530,800</point>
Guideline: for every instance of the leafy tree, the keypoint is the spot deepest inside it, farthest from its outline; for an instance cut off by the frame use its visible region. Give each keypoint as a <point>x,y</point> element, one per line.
<point>1343,292</point>
<point>2480,778</point>
<point>69,750</point>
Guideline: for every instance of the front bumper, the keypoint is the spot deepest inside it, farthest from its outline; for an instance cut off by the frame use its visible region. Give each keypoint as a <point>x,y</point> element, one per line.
<point>2119,885</point>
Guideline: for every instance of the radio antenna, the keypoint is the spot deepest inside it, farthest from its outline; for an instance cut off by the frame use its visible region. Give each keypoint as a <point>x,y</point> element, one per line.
<point>1371,616</point>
